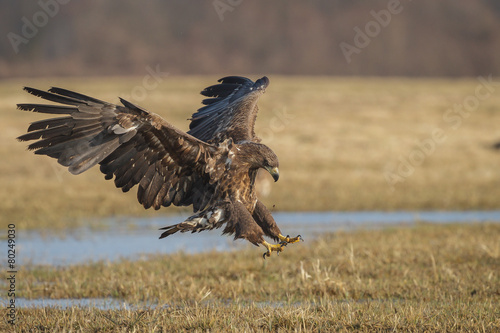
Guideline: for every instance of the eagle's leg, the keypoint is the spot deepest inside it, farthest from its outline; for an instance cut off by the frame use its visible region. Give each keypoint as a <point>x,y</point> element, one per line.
<point>266,221</point>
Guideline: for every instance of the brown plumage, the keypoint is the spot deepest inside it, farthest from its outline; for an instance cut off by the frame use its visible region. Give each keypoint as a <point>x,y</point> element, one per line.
<point>211,167</point>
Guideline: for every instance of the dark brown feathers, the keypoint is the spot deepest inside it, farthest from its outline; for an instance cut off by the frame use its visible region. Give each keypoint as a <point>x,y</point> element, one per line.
<point>230,112</point>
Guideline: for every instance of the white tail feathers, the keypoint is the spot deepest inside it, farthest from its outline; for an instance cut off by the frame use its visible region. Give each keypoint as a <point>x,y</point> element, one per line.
<point>210,218</point>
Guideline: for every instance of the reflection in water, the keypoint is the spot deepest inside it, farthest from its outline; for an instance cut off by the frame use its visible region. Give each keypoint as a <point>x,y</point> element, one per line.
<point>139,237</point>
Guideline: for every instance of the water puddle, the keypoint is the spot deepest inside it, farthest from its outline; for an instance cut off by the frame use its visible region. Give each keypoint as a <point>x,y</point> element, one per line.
<point>135,238</point>
<point>65,303</point>
<point>116,304</point>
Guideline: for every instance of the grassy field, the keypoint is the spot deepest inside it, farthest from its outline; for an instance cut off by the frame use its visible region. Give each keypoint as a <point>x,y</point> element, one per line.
<point>422,278</point>
<point>343,144</point>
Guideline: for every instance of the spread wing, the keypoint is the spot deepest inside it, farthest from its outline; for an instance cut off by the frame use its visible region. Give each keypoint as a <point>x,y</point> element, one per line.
<point>230,111</point>
<point>137,147</point>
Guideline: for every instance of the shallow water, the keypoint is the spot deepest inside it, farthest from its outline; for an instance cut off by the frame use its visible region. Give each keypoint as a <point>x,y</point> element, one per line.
<point>116,304</point>
<point>135,238</point>
<point>65,303</point>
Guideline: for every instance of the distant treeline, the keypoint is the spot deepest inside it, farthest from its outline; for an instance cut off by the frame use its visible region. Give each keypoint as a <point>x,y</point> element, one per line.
<point>315,37</point>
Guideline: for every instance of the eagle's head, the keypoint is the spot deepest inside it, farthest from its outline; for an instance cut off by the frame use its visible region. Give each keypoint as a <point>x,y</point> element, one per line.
<point>258,156</point>
<point>270,162</point>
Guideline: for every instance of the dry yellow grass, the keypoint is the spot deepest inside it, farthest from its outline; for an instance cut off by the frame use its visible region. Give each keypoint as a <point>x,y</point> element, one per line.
<point>422,278</point>
<point>338,140</point>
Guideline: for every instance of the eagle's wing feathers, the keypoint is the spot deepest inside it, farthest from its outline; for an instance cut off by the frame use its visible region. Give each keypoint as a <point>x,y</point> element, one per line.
<point>135,146</point>
<point>230,111</point>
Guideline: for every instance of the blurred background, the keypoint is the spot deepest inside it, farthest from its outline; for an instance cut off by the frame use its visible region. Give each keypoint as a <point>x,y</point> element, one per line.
<point>383,113</point>
<point>82,38</point>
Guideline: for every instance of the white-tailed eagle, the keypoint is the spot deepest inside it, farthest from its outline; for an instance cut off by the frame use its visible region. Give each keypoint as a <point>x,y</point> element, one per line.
<point>211,167</point>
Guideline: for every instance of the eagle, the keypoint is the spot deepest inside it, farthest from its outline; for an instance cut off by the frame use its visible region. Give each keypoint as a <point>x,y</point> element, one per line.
<point>212,167</point>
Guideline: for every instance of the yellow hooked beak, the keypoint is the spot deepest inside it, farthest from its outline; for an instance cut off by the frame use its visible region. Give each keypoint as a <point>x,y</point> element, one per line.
<point>274,172</point>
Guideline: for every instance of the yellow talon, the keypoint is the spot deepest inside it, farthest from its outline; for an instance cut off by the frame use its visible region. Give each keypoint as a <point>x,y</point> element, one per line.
<point>289,240</point>
<point>279,247</point>
<point>272,248</point>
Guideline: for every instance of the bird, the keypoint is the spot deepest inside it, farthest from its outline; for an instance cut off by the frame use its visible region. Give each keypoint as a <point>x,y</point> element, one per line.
<point>211,167</point>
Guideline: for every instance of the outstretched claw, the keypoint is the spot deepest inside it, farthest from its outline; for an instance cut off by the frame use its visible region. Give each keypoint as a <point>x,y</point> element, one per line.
<point>289,240</point>
<point>280,246</point>
<point>272,248</point>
